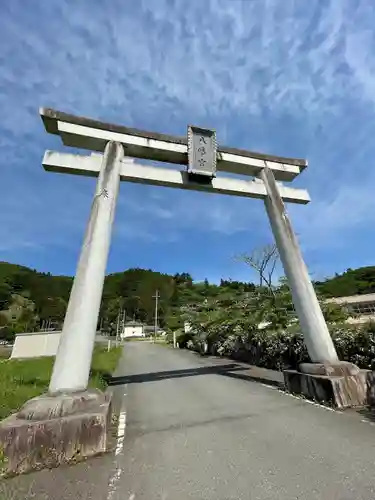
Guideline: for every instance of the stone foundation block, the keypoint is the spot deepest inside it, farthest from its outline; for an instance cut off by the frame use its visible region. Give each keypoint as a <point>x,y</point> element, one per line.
<point>51,430</point>
<point>342,385</point>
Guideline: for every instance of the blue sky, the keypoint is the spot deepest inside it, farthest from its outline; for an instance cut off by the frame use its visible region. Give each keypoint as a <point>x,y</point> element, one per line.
<point>289,77</point>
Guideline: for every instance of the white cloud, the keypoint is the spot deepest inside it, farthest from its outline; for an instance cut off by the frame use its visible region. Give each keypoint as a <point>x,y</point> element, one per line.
<point>218,56</point>
<point>327,223</point>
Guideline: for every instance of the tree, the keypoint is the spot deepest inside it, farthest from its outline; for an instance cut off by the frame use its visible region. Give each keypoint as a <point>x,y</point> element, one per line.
<point>7,333</point>
<point>26,322</point>
<point>263,260</point>
<point>5,295</point>
<point>333,313</point>
<point>53,308</point>
<point>109,313</point>
<point>3,320</point>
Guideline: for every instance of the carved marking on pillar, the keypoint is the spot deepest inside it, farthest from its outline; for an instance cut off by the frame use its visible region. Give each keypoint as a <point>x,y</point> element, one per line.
<point>270,182</point>
<point>103,193</point>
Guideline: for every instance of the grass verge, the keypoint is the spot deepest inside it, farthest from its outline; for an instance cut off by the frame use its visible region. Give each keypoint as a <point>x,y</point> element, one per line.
<point>21,380</point>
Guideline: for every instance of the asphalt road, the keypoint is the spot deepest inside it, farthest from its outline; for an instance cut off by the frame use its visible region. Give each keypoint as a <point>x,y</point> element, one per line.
<point>196,429</point>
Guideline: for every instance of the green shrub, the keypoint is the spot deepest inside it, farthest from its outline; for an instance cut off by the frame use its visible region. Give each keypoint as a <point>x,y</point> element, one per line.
<point>286,349</point>
<point>230,327</point>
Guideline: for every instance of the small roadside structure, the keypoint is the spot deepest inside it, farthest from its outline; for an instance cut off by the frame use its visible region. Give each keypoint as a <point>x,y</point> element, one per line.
<point>41,344</point>
<point>132,329</point>
<point>35,344</point>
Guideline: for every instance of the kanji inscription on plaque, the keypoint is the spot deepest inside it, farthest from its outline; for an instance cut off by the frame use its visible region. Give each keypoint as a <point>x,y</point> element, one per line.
<point>202,150</point>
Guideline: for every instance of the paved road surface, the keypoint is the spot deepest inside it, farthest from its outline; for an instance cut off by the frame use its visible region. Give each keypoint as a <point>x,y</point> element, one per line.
<point>195,433</point>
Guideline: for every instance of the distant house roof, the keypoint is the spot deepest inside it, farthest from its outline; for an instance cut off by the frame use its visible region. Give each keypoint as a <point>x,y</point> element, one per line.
<point>353,299</point>
<point>133,323</point>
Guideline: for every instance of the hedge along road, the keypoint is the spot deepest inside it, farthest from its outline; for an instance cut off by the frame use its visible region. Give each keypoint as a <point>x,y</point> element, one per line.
<point>195,428</point>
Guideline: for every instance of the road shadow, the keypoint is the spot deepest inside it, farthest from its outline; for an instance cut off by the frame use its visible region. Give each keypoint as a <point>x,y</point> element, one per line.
<point>231,370</point>
<point>367,413</point>
<point>253,378</point>
<point>187,372</point>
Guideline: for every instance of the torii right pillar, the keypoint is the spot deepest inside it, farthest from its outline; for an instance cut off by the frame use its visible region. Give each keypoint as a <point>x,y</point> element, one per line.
<point>325,379</point>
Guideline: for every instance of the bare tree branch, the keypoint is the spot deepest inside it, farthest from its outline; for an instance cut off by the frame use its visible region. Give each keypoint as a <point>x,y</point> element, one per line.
<point>263,260</point>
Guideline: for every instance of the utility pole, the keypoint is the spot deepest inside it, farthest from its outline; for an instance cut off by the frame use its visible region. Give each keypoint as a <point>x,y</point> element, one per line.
<point>156,297</point>
<point>123,322</point>
<point>118,325</point>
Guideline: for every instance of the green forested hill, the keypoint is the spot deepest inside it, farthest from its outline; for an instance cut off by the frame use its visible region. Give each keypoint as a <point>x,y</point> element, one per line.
<point>39,287</point>
<point>132,291</point>
<point>48,293</point>
<point>351,282</point>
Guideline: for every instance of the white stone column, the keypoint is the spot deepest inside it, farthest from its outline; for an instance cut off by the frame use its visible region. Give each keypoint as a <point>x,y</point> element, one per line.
<point>314,328</point>
<point>73,360</point>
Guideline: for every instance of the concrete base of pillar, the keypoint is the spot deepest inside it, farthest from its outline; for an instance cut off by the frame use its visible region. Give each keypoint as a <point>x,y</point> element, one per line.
<point>51,430</point>
<point>341,385</point>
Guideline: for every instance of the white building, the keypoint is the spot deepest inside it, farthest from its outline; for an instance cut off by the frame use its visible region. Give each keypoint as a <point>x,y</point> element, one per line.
<point>132,329</point>
<point>360,307</point>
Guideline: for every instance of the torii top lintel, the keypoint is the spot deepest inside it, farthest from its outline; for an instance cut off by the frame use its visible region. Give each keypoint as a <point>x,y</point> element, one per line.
<point>92,134</point>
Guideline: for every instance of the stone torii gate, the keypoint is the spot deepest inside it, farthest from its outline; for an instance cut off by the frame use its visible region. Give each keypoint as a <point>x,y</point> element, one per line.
<point>72,419</point>
<point>203,159</point>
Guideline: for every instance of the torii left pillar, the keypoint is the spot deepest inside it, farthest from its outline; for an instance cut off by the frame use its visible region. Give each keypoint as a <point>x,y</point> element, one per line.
<point>71,421</point>
<point>72,366</point>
